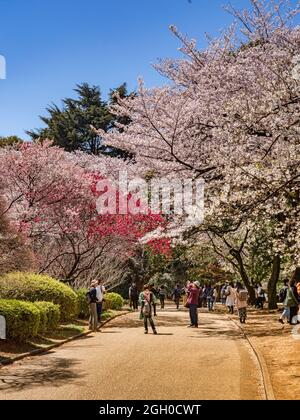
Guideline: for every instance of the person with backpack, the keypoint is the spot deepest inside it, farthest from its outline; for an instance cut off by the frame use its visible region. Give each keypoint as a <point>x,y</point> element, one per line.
<point>133,296</point>
<point>176,295</point>
<point>241,298</point>
<point>192,302</point>
<point>146,300</point>
<point>162,296</point>
<point>282,296</point>
<point>92,302</point>
<point>100,291</point>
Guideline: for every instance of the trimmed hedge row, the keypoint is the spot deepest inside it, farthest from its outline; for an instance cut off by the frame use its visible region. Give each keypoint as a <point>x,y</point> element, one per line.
<point>35,287</point>
<point>84,311</point>
<point>25,319</point>
<point>49,316</point>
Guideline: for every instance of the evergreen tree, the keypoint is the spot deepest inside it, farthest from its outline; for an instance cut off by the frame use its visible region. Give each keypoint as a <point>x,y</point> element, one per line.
<point>72,126</point>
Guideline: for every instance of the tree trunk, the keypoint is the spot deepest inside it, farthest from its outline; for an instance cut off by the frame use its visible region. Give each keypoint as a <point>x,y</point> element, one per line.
<point>237,255</point>
<point>272,292</point>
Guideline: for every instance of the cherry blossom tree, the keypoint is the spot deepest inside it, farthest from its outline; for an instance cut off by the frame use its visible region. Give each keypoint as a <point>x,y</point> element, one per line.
<point>230,115</point>
<point>51,196</point>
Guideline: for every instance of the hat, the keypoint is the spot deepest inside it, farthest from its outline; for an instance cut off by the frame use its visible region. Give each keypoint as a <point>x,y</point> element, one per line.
<point>197,284</point>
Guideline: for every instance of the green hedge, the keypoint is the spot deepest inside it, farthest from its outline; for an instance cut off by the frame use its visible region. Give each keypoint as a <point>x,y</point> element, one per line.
<point>84,311</point>
<point>113,301</point>
<point>22,319</point>
<point>49,316</point>
<point>36,287</point>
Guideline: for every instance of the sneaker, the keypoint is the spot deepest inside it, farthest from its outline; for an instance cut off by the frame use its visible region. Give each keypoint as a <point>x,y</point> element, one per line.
<point>190,326</point>
<point>146,332</point>
<point>155,332</point>
<point>281,321</point>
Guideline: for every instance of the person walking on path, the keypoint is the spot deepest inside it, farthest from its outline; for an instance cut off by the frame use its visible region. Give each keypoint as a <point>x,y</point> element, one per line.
<point>223,293</point>
<point>230,297</point>
<point>241,298</point>
<point>176,295</point>
<point>162,296</point>
<point>282,297</point>
<point>260,296</point>
<point>92,302</point>
<point>292,300</point>
<point>193,301</point>
<point>210,297</point>
<point>146,300</point>
<point>100,291</point>
<point>133,296</point>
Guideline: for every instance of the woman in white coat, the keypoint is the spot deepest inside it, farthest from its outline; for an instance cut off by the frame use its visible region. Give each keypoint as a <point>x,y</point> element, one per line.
<point>230,297</point>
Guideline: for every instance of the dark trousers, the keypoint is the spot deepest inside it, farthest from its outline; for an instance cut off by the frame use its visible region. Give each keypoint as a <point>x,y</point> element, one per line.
<point>134,302</point>
<point>177,300</point>
<point>154,308</point>
<point>194,314</point>
<point>230,309</point>
<point>99,310</point>
<point>293,312</point>
<point>162,302</point>
<point>146,318</point>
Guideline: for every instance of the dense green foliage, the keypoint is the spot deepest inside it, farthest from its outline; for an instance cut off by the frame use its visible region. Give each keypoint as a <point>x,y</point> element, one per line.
<point>72,126</point>
<point>36,287</point>
<point>82,302</point>
<point>49,316</point>
<point>22,319</point>
<point>113,301</point>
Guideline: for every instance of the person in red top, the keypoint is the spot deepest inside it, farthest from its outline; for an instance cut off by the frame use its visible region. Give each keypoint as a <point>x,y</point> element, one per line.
<point>193,301</point>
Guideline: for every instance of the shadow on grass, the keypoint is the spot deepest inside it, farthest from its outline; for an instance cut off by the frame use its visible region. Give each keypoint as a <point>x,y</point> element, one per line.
<point>40,372</point>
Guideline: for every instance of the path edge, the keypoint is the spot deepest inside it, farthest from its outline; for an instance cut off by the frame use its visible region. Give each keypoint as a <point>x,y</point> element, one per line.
<point>266,378</point>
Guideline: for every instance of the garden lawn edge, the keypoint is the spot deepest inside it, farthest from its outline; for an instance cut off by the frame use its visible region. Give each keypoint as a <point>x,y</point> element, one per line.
<point>36,352</point>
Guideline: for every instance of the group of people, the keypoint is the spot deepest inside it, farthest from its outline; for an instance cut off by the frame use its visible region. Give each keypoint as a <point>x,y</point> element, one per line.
<point>235,296</point>
<point>159,293</point>
<point>194,297</point>
<point>289,295</point>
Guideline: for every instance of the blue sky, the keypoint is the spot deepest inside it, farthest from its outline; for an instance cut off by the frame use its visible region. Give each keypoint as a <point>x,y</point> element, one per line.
<point>50,45</point>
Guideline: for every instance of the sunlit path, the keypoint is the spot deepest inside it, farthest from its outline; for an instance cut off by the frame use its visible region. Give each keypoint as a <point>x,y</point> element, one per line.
<point>213,362</point>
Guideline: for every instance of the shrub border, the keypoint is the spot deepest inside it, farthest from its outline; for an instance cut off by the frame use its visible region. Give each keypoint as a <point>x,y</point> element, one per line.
<point>55,345</point>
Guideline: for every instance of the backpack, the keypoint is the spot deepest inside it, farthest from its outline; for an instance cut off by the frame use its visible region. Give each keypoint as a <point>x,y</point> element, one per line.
<point>282,294</point>
<point>243,295</point>
<point>89,297</point>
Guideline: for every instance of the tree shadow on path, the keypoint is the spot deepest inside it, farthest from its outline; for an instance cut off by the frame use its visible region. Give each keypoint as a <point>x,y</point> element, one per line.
<point>41,372</point>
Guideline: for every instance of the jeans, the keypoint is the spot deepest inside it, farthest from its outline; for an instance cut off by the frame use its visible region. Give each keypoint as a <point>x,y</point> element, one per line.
<point>146,318</point>
<point>93,322</point>
<point>194,314</point>
<point>162,302</point>
<point>285,313</point>
<point>210,303</point>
